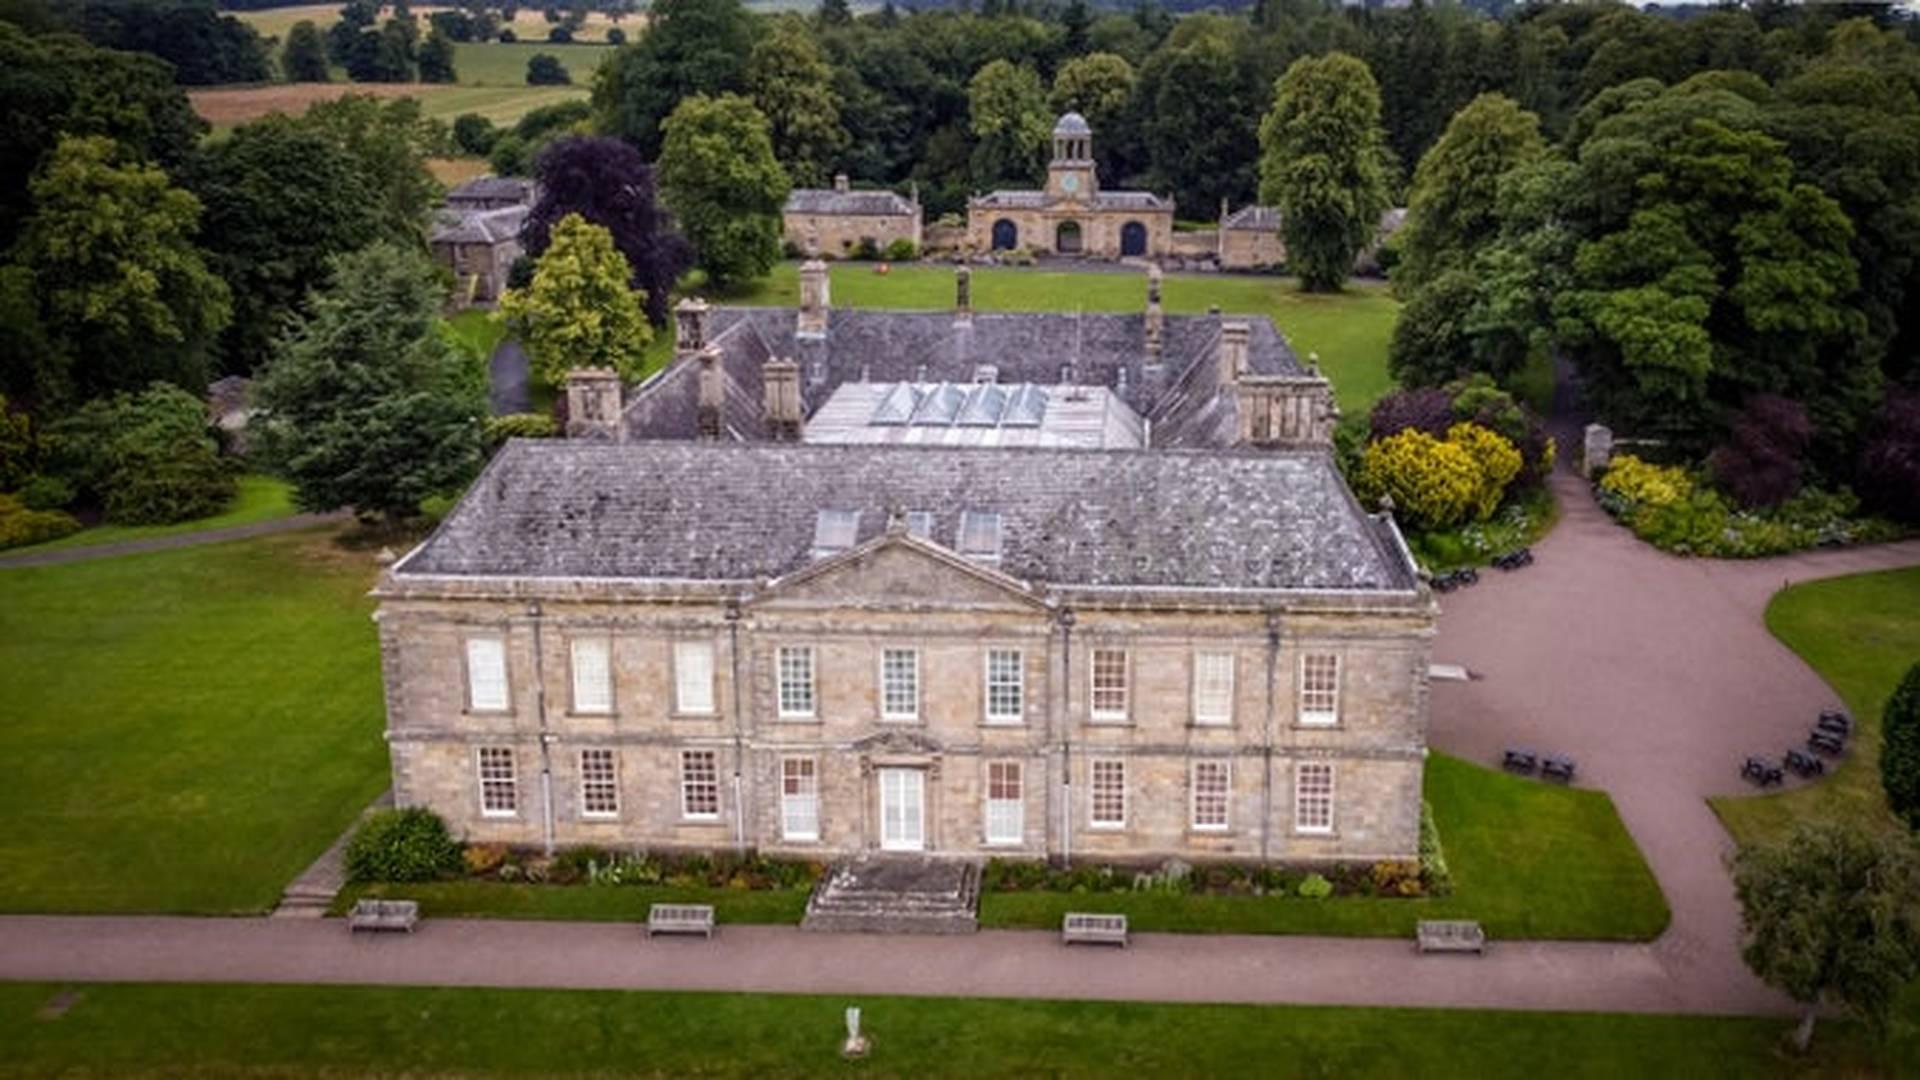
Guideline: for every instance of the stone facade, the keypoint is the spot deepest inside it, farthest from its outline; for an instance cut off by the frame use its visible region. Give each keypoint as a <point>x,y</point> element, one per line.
<point>903,594</point>
<point>476,234</point>
<point>1072,215</point>
<point>1250,239</point>
<point>837,222</point>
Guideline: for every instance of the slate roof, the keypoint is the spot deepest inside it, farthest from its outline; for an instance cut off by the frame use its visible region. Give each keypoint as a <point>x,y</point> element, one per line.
<point>1139,201</point>
<point>1070,518</point>
<point>451,226</point>
<point>492,189</point>
<point>851,203</point>
<point>1185,399</point>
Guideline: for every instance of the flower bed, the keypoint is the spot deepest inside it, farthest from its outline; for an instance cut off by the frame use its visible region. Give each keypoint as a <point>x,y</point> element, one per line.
<point>1674,509</point>
<point>595,866</point>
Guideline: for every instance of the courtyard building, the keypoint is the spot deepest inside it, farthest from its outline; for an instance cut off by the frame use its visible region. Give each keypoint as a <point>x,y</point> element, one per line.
<point>839,222</point>
<point>836,582</point>
<point>476,234</point>
<point>1072,215</point>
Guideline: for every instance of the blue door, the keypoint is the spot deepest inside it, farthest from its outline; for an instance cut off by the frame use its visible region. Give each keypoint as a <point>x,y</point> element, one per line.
<point>1133,239</point>
<point>1006,236</point>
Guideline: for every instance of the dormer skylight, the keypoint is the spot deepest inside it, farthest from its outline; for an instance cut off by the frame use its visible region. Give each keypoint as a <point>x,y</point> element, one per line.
<point>980,535</point>
<point>920,524</point>
<point>834,531</point>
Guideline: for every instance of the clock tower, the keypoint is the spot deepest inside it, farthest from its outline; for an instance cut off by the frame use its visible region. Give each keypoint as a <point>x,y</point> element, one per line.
<point>1070,175</point>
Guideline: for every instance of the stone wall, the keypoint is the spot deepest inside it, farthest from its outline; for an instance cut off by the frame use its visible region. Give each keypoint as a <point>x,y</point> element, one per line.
<point>1251,249</point>
<point>899,597</point>
<point>839,235</point>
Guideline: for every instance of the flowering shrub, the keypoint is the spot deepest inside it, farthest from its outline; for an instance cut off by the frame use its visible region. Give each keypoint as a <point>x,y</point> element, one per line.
<point>1497,460</point>
<point>1667,507</point>
<point>1633,482</point>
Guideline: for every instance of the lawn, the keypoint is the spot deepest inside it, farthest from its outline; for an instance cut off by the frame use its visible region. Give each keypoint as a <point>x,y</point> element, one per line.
<point>260,498</point>
<point>185,730</point>
<point>297,1031</point>
<point>504,64</point>
<point>1861,633</point>
<point>1349,331</point>
<point>1529,860</point>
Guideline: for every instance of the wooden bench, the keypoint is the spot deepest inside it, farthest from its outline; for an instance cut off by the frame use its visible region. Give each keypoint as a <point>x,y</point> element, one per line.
<point>1519,759</point>
<point>680,919</point>
<point>1557,767</point>
<point>1086,928</point>
<point>1451,935</point>
<point>370,914</point>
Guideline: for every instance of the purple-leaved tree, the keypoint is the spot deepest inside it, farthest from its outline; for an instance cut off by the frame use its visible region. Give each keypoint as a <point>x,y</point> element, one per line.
<point>607,182</point>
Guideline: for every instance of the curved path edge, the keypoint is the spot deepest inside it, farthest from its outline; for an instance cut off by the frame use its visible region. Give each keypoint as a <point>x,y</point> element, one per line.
<point>167,543</point>
<point>1234,969</point>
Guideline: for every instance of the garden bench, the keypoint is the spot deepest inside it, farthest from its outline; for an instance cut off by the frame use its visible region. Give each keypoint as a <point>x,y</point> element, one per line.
<point>1805,764</point>
<point>1085,928</point>
<point>1514,560</point>
<point>1519,759</point>
<point>1450,935</point>
<point>1761,772</point>
<point>1826,743</point>
<point>680,919</point>
<point>1556,768</point>
<point>1835,723</point>
<point>370,914</point>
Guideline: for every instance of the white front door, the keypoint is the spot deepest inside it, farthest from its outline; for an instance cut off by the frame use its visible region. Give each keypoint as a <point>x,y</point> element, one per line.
<point>903,825</point>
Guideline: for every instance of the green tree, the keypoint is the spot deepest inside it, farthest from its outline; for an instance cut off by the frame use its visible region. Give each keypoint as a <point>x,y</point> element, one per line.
<point>366,404</point>
<point>1323,163</point>
<point>691,47</point>
<point>1200,121</point>
<point>790,83</point>
<point>579,312</point>
<point>1900,755</point>
<point>1100,87</point>
<point>305,57</point>
<point>389,142</point>
<point>1832,914</point>
<point>1453,205</point>
<point>120,291</point>
<point>147,458</point>
<point>436,60</point>
<point>545,69</point>
<point>719,177</point>
<point>1007,110</point>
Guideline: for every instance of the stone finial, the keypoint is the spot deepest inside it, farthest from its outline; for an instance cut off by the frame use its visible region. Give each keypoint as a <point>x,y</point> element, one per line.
<point>1156,318</point>
<point>1386,504</point>
<point>690,323</point>
<point>1234,338</point>
<point>962,293</point>
<point>840,183</point>
<point>815,297</point>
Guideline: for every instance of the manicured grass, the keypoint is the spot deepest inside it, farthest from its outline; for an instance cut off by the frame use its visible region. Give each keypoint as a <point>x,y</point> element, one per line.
<point>302,1031</point>
<point>585,903</point>
<point>1529,860</point>
<point>186,730</point>
<point>260,498</point>
<point>476,332</point>
<point>1349,331</point>
<point>1861,633</point>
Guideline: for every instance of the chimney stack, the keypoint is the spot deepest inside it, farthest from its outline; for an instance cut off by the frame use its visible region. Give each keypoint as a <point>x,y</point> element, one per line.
<point>840,183</point>
<point>962,295</point>
<point>814,298</point>
<point>593,404</point>
<point>690,323</point>
<point>1233,351</point>
<point>1156,318</point>
<point>713,393</point>
<point>782,381</point>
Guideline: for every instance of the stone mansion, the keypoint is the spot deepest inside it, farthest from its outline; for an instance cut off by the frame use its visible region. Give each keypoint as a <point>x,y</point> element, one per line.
<point>839,581</point>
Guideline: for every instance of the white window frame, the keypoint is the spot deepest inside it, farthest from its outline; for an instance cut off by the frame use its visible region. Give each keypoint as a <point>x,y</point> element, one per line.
<point>690,783</point>
<point>593,781</point>
<point>1206,684</point>
<point>1005,810</point>
<point>802,805</point>
<point>980,535</point>
<point>1222,768</point>
<point>1094,689</point>
<point>891,688</point>
<point>684,671</point>
<point>1301,823</point>
<point>498,772</point>
<point>1016,687</point>
<point>811,685</point>
<point>472,666</point>
<point>1111,767</point>
<point>1310,697</point>
<point>583,704</point>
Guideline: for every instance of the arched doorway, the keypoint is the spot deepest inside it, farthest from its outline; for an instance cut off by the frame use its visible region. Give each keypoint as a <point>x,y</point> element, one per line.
<point>1133,238</point>
<point>1066,239</point>
<point>1006,235</point>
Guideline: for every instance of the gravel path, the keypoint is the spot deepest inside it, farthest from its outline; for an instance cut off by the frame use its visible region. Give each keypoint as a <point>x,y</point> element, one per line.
<point>167,543</point>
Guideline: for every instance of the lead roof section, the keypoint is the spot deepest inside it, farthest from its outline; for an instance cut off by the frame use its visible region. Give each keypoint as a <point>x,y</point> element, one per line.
<point>734,512</point>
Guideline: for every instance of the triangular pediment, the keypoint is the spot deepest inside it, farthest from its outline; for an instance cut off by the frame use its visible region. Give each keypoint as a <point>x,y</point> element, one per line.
<point>901,572</point>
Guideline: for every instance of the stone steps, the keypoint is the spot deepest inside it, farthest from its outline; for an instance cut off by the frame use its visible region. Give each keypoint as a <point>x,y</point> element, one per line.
<point>897,895</point>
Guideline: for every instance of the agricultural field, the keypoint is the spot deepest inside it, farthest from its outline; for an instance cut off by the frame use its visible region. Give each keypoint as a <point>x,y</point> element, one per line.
<point>529,23</point>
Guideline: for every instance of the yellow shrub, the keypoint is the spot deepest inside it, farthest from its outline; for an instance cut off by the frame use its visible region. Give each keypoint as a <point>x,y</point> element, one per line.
<point>1433,483</point>
<point>1643,484</point>
<point>1499,462</point>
